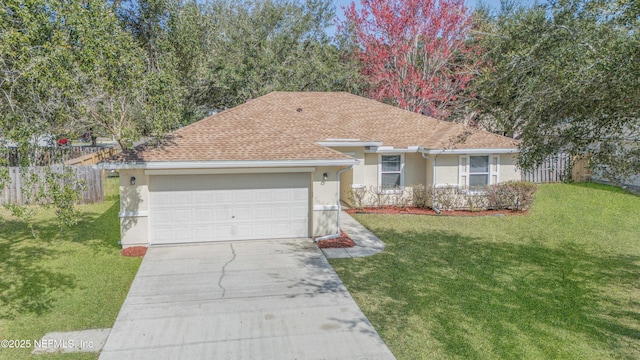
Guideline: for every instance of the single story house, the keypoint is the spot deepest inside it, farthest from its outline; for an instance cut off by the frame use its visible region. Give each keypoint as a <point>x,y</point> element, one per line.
<point>279,165</point>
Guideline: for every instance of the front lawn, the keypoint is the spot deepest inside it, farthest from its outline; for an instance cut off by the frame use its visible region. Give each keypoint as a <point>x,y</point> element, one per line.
<point>73,279</point>
<point>562,282</point>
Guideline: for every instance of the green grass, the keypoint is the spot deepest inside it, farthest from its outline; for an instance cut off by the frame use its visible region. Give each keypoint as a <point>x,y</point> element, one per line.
<point>70,279</point>
<point>562,282</point>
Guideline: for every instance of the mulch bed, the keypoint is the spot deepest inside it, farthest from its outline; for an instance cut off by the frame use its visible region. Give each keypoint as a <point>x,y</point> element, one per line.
<point>134,251</point>
<point>344,241</point>
<point>421,211</point>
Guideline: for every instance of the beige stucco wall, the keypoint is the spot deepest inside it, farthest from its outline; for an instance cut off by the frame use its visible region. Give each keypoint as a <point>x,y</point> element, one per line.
<point>324,201</point>
<point>508,169</point>
<point>418,170</point>
<point>429,171</point>
<point>414,169</point>
<point>134,207</point>
<point>355,176</point>
<point>446,169</point>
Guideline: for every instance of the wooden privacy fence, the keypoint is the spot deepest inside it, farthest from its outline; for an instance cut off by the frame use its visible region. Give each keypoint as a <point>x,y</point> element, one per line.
<point>45,156</point>
<point>555,168</point>
<point>94,157</point>
<point>90,177</point>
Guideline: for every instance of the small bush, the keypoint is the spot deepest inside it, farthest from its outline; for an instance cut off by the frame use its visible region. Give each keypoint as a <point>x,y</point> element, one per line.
<point>422,196</point>
<point>357,197</point>
<point>445,198</point>
<point>499,197</point>
<point>512,195</point>
<point>476,202</point>
<point>524,192</point>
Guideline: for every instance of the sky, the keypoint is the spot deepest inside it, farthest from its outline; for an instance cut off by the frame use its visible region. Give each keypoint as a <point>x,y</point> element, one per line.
<point>493,4</point>
<point>470,3</point>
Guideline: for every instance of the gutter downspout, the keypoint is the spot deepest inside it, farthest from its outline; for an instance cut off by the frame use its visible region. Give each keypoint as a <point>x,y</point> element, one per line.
<point>336,235</point>
<point>435,163</point>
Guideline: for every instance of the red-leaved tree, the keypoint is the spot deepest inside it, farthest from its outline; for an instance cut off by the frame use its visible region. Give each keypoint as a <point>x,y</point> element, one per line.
<point>415,54</point>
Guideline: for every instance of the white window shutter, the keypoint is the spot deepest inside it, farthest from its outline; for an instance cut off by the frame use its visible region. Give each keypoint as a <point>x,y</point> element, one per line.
<point>463,171</point>
<point>494,169</point>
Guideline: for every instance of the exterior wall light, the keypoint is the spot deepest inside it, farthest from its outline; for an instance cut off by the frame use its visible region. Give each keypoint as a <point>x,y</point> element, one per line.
<point>132,181</point>
<point>325,176</point>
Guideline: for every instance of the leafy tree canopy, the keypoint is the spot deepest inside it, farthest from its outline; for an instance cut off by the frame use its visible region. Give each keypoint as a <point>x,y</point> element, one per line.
<point>565,77</point>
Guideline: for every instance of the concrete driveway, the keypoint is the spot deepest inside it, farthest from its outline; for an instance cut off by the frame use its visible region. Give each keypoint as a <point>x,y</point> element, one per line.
<point>265,299</point>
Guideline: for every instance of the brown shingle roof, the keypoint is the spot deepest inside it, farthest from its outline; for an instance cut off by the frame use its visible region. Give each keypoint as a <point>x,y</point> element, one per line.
<point>287,125</point>
<point>395,127</point>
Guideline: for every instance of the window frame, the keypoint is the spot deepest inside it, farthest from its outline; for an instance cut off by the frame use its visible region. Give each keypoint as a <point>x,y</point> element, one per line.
<point>485,173</point>
<point>381,172</point>
<point>465,171</point>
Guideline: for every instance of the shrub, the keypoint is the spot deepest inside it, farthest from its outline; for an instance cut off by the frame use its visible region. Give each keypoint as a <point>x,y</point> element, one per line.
<point>357,197</point>
<point>445,198</point>
<point>499,197</point>
<point>513,195</point>
<point>524,192</point>
<point>476,202</point>
<point>422,196</point>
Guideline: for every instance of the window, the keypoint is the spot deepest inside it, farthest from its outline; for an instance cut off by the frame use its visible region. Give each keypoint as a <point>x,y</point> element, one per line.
<point>478,171</point>
<point>390,177</point>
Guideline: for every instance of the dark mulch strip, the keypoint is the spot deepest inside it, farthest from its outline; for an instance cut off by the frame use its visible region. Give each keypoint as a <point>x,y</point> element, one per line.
<point>421,211</point>
<point>134,251</point>
<point>344,241</point>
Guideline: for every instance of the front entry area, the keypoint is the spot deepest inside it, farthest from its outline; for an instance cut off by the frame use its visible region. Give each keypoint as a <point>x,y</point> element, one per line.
<point>206,208</point>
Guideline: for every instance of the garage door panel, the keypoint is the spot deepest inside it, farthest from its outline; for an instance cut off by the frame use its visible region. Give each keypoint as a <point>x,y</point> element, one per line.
<point>243,196</point>
<point>162,216</point>
<point>204,198</point>
<point>301,195</point>
<point>163,235</point>
<point>263,212</point>
<point>224,197</point>
<point>261,196</point>
<point>243,231</point>
<point>179,198</point>
<point>282,195</point>
<point>203,233</point>
<point>181,233</point>
<point>162,199</point>
<point>263,228</point>
<point>223,232</point>
<point>223,214</point>
<point>242,213</point>
<point>299,212</point>
<point>299,228</point>
<point>182,216</point>
<point>281,212</point>
<point>204,216</point>
<point>204,208</point>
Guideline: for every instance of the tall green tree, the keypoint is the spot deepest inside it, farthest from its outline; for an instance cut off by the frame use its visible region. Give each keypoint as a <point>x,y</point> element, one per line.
<point>565,77</point>
<point>67,67</point>
<point>261,46</point>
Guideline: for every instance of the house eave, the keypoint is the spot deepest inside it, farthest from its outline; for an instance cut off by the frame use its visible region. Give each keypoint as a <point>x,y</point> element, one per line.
<point>469,151</point>
<point>152,165</point>
<point>391,149</point>
<point>333,143</point>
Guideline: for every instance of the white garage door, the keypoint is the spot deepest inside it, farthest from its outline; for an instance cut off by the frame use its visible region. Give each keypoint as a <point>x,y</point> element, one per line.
<point>201,208</point>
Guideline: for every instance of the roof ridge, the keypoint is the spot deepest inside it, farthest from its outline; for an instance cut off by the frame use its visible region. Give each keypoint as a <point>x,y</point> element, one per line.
<point>309,116</point>
<point>270,129</point>
<point>423,117</point>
